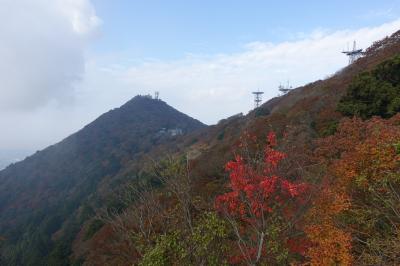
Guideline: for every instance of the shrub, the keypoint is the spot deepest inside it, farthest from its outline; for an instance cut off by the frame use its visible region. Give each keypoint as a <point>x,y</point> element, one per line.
<point>262,207</point>
<point>374,93</point>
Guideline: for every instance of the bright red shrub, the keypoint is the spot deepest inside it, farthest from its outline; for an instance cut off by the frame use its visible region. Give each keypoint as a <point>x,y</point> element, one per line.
<point>261,204</point>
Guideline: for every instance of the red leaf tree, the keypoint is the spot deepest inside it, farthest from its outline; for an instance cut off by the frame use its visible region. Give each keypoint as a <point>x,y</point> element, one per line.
<point>262,207</point>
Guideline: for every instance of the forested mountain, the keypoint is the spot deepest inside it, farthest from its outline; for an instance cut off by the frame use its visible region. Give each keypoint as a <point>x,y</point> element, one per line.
<point>39,194</point>
<point>308,178</point>
<point>8,157</point>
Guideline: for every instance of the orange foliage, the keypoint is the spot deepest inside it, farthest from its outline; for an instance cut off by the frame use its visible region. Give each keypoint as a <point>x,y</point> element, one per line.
<point>331,245</point>
<point>358,156</point>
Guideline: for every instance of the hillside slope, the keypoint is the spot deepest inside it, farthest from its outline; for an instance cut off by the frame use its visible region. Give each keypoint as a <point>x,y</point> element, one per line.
<point>39,194</point>
<point>302,116</point>
<point>109,154</point>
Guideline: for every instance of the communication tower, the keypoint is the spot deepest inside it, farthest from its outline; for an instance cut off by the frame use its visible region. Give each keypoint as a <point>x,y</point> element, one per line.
<point>353,54</point>
<point>156,95</point>
<point>257,98</point>
<point>285,89</point>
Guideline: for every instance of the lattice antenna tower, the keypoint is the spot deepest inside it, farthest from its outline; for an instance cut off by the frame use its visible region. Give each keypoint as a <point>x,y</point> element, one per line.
<point>285,89</point>
<point>353,54</point>
<point>257,98</point>
<point>156,95</point>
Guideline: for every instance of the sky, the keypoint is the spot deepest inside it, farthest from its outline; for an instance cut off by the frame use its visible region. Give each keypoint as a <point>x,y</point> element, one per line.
<point>65,62</point>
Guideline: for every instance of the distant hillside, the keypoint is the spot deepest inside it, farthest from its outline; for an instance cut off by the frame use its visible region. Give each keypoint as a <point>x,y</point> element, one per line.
<point>38,194</point>
<point>48,201</point>
<point>300,118</point>
<point>8,157</point>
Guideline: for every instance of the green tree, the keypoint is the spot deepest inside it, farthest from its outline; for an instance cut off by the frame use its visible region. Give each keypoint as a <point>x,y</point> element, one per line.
<point>204,246</point>
<point>374,93</point>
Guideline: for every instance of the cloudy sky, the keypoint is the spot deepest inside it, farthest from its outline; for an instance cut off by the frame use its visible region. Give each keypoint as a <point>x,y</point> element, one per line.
<point>65,62</point>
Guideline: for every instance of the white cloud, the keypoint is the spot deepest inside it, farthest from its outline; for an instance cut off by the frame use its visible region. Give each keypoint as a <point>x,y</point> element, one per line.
<point>42,50</point>
<point>214,87</point>
<point>43,64</point>
<point>80,14</point>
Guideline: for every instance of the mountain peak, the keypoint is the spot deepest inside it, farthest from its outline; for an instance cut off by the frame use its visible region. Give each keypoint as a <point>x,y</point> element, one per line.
<point>72,170</point>
<point>143,99</point>
<point>144,112</point>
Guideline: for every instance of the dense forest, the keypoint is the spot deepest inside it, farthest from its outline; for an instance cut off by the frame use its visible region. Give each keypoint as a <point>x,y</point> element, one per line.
<point>308,178</point>
<point>45,198</point>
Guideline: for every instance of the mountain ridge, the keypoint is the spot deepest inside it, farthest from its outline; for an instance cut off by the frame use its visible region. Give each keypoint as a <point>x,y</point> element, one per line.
<point>302,115</point>
<point>57,179</point>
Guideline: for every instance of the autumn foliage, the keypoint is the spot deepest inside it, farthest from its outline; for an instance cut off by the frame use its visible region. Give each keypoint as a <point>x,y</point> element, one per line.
<point>355,219</point>
<point>262,206</point>
<point>343,210</point>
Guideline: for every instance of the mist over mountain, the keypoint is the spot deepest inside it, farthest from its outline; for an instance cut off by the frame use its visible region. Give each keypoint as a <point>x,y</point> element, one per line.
<point>310,177</point>
<point>38,194</point>
<point>8,157</point>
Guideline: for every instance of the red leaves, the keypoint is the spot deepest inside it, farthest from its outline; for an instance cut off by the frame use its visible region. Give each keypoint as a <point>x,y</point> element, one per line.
<point>272,156</point>
<point>271,139</point>
<point>259,192</point>
<point>231,203</point>
<point>237,170</point>
<point>294,190</point>
<point>298,245</point>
